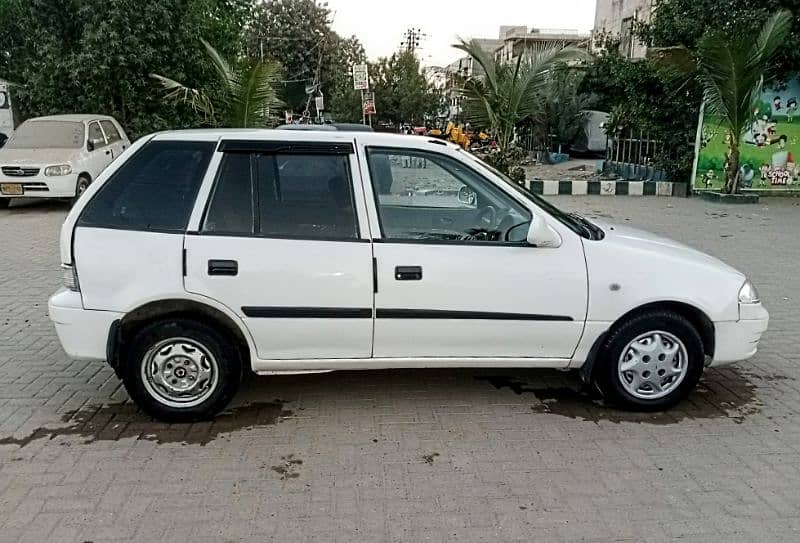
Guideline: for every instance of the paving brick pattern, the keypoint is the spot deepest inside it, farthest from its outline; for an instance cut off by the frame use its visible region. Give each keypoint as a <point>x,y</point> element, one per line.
<point>467,456</point>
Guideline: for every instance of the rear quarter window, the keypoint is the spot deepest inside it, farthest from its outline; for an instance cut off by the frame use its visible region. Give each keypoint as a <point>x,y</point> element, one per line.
<point>154,190</point>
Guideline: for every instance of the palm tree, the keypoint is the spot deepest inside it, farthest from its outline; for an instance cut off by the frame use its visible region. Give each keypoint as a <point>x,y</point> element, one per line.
<point>731,71</point>
<point>244,96</point>
<point>510,93</point>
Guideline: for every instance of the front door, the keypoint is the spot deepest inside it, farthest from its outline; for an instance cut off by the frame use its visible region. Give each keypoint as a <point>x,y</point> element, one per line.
<point>455,277</point>
<point>100,153</point>
<point>280,245</point>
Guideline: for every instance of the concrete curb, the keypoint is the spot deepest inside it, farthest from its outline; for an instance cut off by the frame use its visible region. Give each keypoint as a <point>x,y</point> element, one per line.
<point>607,188</point>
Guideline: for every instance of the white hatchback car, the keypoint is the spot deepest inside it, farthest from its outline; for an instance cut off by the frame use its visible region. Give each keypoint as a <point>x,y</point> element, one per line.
<point>199,254</point>
<point>58,156</point>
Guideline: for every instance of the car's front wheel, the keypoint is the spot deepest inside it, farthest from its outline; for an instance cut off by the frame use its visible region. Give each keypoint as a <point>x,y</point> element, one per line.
<point>650,362</point>
<point>4,202</point>
<point>181,370</point>
<point>80,187</point>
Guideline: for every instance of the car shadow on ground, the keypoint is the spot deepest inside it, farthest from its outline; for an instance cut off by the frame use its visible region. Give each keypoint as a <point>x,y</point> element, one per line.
<point>728,393</point>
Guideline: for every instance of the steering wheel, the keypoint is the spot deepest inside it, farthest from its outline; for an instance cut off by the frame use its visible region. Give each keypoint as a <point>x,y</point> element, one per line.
<point>486,217</point>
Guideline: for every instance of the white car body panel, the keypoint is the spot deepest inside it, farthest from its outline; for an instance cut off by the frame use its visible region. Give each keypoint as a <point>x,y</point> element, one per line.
<point>593,283</point>
<point>631,268</point>
<point>81,160</point>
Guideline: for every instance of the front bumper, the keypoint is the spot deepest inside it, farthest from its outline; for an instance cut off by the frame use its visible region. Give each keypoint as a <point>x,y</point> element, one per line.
<point>736,341</point>
<point>83,333</point>
<point>42,186</point>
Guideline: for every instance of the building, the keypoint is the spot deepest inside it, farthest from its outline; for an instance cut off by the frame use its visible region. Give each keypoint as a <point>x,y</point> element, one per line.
<point>519,40</point>
<point>617,18</point>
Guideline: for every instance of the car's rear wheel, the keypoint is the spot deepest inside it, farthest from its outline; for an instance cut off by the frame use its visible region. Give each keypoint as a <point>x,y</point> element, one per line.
<point>650,362</point>
<point>80,187</point>
<point>181,370</point>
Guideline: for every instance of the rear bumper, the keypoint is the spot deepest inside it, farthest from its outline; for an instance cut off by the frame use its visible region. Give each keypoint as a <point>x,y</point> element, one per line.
<point>83,333</point>
<point>41,186</point>
<point>736,341</point>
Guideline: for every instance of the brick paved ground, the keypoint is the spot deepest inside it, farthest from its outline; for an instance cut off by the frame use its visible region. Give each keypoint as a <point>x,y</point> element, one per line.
<point>407,455</point>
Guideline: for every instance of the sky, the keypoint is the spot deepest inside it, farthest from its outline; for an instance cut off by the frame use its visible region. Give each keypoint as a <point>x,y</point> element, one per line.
<point>381,24</point>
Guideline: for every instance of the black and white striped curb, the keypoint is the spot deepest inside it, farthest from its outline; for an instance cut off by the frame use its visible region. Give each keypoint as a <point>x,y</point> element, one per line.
<point>607,188</point>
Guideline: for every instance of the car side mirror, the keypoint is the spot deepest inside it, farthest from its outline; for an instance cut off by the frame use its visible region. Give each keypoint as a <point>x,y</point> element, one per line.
<point>90,145</point>
<point>467,196</point>
<point>541,234</point>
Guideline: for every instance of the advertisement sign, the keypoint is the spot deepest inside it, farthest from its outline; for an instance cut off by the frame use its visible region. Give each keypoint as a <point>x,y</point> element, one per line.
<point>361,77</point>
<point>769,148</point>
<point>319,102</point>
<point>369,104</point>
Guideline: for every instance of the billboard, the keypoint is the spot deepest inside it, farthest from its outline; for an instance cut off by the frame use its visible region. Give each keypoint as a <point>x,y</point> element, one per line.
<point>769,148</point>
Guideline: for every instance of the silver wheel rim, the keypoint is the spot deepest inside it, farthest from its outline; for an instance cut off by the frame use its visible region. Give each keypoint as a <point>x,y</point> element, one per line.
<point>653,365</point>
<point>82,186</point>
<point>179,372</point>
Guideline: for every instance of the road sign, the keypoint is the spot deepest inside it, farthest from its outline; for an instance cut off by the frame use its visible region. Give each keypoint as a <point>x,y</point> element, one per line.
<point>369,103</point>
<point>319,101</point>
<point>361,77</point>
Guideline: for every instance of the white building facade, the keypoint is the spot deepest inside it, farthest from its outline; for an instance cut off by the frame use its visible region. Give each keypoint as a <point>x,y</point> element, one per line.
<point>618,19</point>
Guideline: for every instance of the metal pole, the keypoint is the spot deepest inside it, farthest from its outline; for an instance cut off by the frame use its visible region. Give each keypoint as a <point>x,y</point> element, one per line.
<point>363,113</point>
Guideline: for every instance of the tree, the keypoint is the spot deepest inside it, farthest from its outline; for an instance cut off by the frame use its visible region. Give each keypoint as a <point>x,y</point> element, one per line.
<point>564,106</point>
<point>645,101</point>
<point>298,34</point>
<point>684,22</point>
<point>95,56</point>
<point>510,93</point>
<point>731,69</point>
<point>244,95</point>
<point>402,93</point>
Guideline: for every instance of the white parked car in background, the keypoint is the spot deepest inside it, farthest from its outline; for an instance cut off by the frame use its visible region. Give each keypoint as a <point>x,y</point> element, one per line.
<point>58,156</point>
<point>201,253</point>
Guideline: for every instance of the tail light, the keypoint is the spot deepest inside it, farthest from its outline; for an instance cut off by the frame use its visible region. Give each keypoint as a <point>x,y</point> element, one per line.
<point>70,277</point>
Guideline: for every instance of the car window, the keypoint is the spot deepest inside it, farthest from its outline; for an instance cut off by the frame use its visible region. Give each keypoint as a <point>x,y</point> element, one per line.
<point>153,191</point>
<point>429,196</point>
<point>230,209</point>
<point>96,135</point>
<point>112,134</point>
<point>35,134</point>
<point>283,195</point>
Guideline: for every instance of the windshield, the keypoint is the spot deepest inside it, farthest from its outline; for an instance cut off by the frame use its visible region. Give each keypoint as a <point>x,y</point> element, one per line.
<point>47,135</point>
<point>574,222</point>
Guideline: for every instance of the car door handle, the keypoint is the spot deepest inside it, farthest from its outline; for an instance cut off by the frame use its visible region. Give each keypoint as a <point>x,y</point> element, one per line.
<point>408,273</point>
<point>223,267</point>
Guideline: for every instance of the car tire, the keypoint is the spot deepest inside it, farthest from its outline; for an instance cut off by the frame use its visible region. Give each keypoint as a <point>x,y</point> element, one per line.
<point>4,203</point>
<point>650,362</point>
<point>80,187</point>
<point>181,370</point>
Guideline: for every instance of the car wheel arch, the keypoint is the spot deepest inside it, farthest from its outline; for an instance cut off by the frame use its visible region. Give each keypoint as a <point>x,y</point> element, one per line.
<point>123,330</point>
<point>702,323</point>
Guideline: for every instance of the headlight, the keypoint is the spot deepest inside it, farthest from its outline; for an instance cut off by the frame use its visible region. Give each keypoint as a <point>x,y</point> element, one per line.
<point>70,278</point>
<point>748,294</point>
<point>61,169</point>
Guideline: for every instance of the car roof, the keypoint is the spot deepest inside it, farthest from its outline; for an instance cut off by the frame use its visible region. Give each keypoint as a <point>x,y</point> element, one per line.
<point>342,127</point>
<point>376,139</point>
<point>75,118</point>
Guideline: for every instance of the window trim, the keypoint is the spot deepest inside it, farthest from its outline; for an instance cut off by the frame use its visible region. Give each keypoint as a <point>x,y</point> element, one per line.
<point>121,166</point>
<point>103,128</point>
<point>410,150</point>
<point>255,191</point>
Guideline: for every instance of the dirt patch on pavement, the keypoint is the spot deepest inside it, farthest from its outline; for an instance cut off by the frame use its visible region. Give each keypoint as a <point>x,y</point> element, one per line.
<point>727,394</point>
<point>124,421</point>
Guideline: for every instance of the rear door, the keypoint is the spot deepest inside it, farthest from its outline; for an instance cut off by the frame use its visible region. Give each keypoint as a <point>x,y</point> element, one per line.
<point>279,243</point>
